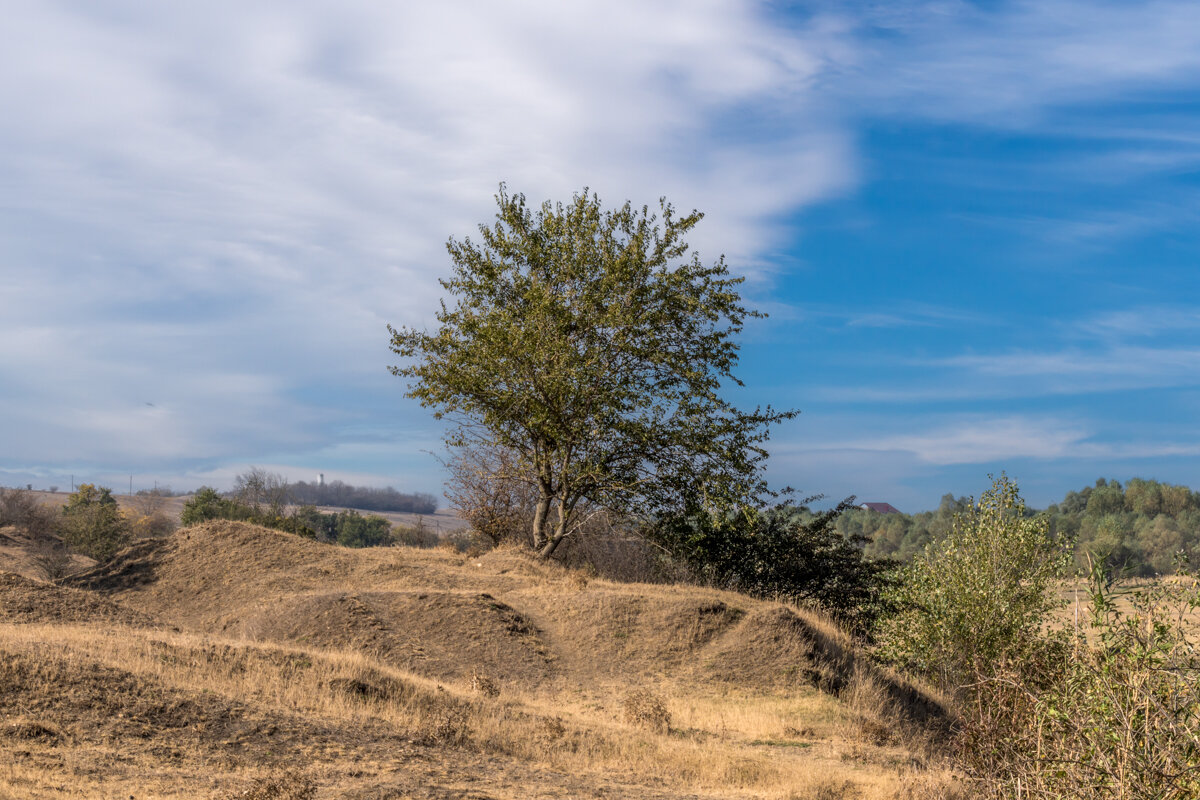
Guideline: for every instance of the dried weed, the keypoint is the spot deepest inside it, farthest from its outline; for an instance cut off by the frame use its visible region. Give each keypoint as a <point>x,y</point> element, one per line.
<point>647,710</point>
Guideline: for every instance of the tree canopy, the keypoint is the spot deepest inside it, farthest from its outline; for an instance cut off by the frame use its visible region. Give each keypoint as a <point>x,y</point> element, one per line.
<point>591,348</point>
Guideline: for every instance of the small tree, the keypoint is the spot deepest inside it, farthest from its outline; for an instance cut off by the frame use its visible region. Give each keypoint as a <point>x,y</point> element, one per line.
<point>355,530</point>
<point>257,487</point>
<point>207,503</point>
<point>980,597</point>
<point>490,491</point>
<point>20,508</point>
<point>93,524</point>
<point>588,345</point>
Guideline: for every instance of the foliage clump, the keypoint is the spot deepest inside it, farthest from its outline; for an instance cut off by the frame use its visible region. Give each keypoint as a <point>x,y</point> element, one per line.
<point>21,509</point>
<point>1113,713</point>
<point>93,523</point>
<point>783,552</point>
<point>978,598</point>
<point>646,709</point>
<point>347,528</point>
<point>1103,709</point>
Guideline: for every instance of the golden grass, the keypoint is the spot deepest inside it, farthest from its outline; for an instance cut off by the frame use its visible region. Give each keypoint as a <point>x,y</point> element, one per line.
<point>747,744</point>
<point>415,673</point>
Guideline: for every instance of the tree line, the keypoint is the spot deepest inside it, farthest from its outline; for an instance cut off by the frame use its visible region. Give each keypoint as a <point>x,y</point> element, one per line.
<point>345,495</point>
<point>1139,528</point>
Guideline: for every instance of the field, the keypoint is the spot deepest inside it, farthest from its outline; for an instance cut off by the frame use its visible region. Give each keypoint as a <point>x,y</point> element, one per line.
<point>229,660</point>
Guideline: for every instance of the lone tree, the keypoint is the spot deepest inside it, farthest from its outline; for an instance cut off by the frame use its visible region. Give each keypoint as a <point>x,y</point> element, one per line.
<point>587,346</point>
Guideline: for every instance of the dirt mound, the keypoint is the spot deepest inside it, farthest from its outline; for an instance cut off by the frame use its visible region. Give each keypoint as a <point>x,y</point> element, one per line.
<point>503,615</point>
<point>132,567</point>
<point>775,646</point>
<point>24,600</point>
<point>84,701</point>
<point>621,631</point>
<point>779,647</point>
<point>205,577</point>
<point>26,555</point>
<point>440,634</point>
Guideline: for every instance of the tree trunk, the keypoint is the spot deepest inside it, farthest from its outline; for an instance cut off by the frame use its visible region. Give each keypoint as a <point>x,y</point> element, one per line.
<point>540,515</point>
<point>560,531</point>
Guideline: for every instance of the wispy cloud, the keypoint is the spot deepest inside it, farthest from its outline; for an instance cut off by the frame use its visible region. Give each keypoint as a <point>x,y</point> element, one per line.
<point>1121,366</point>
<point>216,209</point>
<point>1141,323</point>
<point>209,208</point>
<point>1007,64</point>
<point>988,439</point>
<point>978,440</point>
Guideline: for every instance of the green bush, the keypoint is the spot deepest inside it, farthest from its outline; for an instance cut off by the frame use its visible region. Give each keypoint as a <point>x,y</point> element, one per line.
<point>783,552</point>
<point>208,504</point>
<point>978,598</point>
<point>93,524</point>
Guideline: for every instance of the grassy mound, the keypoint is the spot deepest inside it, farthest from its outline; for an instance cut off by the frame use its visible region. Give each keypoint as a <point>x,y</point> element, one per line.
<point>428,673</point>
<point>25,600</point>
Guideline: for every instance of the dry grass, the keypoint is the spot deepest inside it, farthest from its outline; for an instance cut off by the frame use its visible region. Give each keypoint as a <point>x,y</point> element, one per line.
<point>627,691</point>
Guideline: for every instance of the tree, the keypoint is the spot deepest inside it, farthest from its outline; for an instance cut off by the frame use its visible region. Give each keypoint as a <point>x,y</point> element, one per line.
<point>257,487</point>
<point>586,343</point>
<point>93,524</point>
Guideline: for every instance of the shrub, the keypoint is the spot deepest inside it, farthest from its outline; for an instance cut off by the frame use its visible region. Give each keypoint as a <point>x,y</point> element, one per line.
<point>978,598</point>
<point>53,559</point>
<point>93,524</point>
<point>491,490</point>
<point>419,535</point>
<point>646,709</point>
<point>1116,716</point>
<point>19,508</point>
<point>208,504</point>
<point>149,516</point>
<point>280,785</point>
<point>783,552</point>
<point>612,547</point>
<point>355,530</point>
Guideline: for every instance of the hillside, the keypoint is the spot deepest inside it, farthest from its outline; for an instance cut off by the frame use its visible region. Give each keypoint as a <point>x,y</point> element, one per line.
<point>231,660</point>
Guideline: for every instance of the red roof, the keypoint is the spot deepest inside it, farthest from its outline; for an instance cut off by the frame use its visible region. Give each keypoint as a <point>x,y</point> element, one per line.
<point>882,508</point>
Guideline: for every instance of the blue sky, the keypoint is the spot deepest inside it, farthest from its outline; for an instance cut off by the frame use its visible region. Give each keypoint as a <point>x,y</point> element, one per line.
<point>974,225</point>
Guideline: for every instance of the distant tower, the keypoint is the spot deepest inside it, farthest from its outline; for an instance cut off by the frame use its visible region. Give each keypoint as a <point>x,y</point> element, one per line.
<point>321,479</point>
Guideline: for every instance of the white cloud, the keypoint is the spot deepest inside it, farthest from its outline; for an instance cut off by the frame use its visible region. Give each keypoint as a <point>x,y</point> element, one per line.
<point>1006,64</point>
<point>973,439</point>
<point>1113,368</point>
<point>207,208</point>
<point>213,208</point>
<point>1141,323</point>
